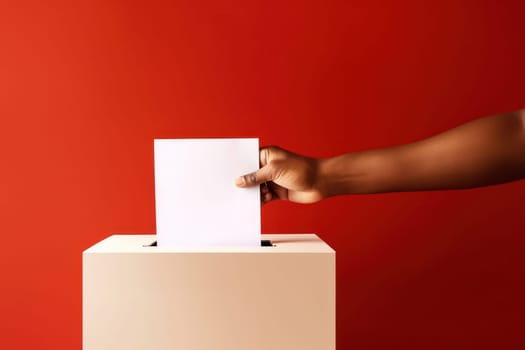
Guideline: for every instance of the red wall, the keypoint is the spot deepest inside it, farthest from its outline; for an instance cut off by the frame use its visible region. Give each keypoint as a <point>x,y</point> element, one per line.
<point>85,87</point>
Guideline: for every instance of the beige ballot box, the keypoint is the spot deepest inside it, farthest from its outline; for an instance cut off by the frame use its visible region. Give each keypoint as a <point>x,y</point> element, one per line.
<point>276,297</point>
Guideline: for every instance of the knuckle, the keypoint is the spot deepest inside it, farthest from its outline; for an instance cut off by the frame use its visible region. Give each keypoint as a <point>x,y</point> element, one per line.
<point>250,178</point>
<point>274,167</point>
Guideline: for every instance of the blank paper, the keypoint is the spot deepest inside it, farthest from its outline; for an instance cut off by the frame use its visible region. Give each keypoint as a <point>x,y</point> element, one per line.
<point>197,202</point>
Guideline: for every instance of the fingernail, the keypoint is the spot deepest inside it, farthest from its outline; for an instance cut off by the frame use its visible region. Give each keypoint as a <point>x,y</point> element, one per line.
<point>239,181</point>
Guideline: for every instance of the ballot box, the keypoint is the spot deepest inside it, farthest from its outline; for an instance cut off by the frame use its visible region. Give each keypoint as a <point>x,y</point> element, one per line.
<point>272,297</point>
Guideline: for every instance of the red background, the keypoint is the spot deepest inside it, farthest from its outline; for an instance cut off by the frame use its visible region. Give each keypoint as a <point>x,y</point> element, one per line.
<point>86,86</point>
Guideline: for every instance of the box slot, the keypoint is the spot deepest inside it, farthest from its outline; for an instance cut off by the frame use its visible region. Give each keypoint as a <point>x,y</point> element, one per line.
<point>264,243</point>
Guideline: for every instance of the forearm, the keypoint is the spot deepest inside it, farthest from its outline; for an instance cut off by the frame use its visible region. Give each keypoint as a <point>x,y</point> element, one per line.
<point>486,151</point>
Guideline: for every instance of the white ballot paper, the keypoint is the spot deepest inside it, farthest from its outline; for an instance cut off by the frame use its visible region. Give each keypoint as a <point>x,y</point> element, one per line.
<point>197,202</point>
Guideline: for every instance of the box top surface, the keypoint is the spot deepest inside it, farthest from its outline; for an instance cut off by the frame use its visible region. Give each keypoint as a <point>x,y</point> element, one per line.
<point>283,243</point>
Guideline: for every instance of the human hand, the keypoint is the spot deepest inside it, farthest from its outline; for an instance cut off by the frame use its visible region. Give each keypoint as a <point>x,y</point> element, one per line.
<point>285,175</point>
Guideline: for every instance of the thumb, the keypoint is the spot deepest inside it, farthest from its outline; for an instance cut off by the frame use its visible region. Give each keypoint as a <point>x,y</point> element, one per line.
<point>256,178</point>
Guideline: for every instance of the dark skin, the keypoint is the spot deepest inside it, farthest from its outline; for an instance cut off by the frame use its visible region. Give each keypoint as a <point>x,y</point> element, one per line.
<point>483,152</point>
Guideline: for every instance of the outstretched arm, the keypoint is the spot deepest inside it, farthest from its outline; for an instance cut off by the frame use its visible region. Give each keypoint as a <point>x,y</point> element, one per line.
<point>486,151</point>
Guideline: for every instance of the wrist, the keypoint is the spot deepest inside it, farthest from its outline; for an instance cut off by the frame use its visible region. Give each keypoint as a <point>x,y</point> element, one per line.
<point>350,173</point>
<point>327,182</point>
